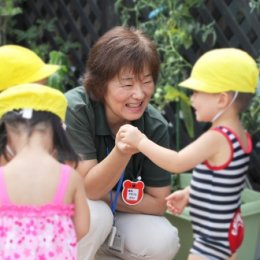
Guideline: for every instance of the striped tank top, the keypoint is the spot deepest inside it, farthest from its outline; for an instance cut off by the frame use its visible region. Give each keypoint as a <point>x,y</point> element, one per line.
<point>215,202</point>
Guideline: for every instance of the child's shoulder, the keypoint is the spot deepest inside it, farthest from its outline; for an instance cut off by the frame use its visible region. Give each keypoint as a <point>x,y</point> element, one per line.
<point>74,176</point>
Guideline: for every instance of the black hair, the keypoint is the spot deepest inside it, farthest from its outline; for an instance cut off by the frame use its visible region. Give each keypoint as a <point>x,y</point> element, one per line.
<point>60,140</point>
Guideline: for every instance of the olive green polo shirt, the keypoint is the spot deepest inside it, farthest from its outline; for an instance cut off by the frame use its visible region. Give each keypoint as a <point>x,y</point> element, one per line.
<point>91,137</point>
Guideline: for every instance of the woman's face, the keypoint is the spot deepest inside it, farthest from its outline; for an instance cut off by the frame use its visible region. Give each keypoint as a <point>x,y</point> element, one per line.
<point>127,96</point>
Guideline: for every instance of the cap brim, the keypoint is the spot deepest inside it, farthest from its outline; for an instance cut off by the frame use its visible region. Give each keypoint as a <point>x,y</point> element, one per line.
<point>46,71</point>
<point>197,85</point>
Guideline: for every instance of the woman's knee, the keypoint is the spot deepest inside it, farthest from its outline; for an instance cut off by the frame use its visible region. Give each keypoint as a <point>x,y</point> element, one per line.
<point>157,238</point>
<point>101,220</point>
<point>167,244</point>
<point>101,217</point>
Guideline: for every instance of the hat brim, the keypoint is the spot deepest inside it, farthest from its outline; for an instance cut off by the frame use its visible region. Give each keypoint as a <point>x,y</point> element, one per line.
<point>33,96</point>
<point>198,85</point>
<point>46,71</point>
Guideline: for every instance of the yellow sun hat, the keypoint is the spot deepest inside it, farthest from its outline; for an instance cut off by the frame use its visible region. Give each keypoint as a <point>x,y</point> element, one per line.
<point>32,96</point>
<point>221,70</point>
<point>20,65</point>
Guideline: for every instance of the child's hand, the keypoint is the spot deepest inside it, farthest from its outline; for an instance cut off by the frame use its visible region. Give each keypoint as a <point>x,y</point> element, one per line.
<point>130,135</point>
<point>177,201</point>
<point>123,146</point>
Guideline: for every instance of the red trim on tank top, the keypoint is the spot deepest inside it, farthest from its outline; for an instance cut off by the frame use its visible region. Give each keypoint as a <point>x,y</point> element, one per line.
<point>223,166</point>
<point>249,147</point>
<point>247,150</point>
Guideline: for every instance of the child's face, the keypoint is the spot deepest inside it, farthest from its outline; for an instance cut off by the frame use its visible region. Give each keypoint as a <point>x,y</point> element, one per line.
<point>205,105</point>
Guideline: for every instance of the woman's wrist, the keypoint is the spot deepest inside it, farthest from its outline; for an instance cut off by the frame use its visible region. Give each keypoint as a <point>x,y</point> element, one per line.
<point>142,142</point>
<point>122,154</point>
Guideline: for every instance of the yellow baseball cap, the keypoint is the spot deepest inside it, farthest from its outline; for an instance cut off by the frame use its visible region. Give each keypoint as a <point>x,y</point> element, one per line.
<point>221,70</point>
<point>20,65</point>
<point>35,97</point>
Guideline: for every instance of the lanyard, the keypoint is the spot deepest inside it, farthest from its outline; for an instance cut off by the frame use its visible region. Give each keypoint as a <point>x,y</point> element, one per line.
<point>113,202</point>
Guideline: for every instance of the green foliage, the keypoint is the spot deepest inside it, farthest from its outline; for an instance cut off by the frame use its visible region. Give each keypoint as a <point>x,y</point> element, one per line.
<point>33,39</point>
<point>251,117</point>
<point>255,5</point>
<point>171,25</point>
<point>62,76</point>
<point>35,33</point>
<point>8,9</point>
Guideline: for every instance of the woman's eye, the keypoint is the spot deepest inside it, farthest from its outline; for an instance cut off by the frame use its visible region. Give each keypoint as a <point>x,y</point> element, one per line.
<point>127,86</point>
<point>147,82</point>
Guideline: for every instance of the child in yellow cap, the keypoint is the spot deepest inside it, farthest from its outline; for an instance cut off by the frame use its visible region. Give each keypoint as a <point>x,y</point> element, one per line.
<point>19,65</point>
<point>43,210</point>
<point>223,81</point>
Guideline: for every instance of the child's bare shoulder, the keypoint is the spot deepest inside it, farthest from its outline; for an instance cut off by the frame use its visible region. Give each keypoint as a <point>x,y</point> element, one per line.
<point>75,178</point>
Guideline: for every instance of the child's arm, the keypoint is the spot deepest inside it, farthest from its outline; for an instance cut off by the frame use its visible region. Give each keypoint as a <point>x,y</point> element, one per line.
<point>178,200</point>
<point>207,145</point>
<point>81,216</point>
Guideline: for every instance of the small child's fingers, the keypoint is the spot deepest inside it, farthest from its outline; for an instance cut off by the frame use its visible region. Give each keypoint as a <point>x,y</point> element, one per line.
<point>169,204</point>
<point>174,210</point>
<point>170,197</point>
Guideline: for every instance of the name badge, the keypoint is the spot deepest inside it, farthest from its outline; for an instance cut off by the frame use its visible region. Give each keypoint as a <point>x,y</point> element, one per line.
<point>132,193</point>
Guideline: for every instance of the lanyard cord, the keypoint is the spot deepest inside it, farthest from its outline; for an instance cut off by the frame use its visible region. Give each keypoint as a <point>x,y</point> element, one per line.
<point>113,202</point>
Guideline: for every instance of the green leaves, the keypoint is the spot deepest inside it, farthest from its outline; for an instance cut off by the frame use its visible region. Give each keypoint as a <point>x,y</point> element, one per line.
<point>7,8</point>
<point>7,11</point>
<point>61,78</point>
<point>251,117</point>
<point>185,113</point>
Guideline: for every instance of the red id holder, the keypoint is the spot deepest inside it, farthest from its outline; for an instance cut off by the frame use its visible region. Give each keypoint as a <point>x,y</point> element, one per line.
<point>132,193</point>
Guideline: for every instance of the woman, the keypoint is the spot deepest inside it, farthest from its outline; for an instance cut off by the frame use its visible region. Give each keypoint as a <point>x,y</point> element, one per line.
<point>122,71</point>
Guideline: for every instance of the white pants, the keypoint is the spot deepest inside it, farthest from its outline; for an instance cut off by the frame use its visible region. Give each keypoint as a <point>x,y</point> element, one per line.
<point>146,236</point>
<point>101,220</point>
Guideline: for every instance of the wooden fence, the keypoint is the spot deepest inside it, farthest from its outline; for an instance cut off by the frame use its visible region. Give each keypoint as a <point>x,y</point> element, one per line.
<point>234,23</point>
<point>80,21</point>
<point>83,21</point>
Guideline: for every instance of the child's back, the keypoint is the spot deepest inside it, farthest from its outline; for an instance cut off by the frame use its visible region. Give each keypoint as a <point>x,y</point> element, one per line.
<point>43,210</point>
<point>36,210</point>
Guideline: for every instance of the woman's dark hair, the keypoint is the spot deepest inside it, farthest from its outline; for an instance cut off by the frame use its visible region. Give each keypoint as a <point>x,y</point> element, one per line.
<point>60,140</point>
<point>117,49</point>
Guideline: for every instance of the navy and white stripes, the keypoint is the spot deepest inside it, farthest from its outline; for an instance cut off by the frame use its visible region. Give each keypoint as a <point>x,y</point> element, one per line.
<point>215,198</point>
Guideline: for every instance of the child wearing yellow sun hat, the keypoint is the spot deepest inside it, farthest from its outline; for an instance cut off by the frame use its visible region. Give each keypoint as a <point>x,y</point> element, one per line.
<point>223,82</point>
<point>36,189</point>
<point>20,65</point>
